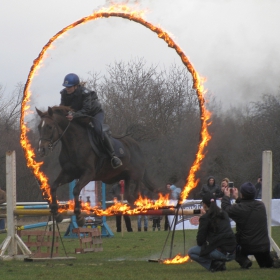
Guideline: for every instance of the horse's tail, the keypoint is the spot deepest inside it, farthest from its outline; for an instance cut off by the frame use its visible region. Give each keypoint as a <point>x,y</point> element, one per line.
<point>148,183</point>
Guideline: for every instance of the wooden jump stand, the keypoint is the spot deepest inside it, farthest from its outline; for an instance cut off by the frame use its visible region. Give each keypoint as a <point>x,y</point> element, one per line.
<point>13,248</point>
<point>267,193</point>
<point>13,243</point>
<point>90,240</point>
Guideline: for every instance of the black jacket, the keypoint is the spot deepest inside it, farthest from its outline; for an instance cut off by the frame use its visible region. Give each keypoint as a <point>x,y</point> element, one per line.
<point>276,191</point>
<point>115,191</point>
<point>209,240</point>
<point>211,189</point>
<point>251,223</point>
<point>84,102</point>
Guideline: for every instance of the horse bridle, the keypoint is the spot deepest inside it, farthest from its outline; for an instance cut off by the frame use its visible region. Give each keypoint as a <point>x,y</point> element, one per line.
<point>52,144</point>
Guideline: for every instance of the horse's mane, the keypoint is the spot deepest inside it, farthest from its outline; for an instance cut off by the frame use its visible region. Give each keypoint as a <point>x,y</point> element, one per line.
<point>61,113</point>
<point>61,110</point>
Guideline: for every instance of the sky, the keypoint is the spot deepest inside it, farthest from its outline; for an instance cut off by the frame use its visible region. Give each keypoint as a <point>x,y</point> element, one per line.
<point>234,44</point>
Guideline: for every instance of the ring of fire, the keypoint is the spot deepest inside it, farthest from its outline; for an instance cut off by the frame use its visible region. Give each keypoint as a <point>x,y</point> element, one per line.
<point>136,16</point>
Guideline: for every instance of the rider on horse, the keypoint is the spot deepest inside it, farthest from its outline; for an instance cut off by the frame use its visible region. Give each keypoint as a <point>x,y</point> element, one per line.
<point>85,102</point>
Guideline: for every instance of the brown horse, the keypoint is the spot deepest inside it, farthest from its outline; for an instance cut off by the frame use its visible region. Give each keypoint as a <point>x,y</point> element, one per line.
<point>79,161</point>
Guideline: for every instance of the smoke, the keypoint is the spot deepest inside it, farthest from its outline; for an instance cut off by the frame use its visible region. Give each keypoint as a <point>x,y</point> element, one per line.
<point>231,43</point>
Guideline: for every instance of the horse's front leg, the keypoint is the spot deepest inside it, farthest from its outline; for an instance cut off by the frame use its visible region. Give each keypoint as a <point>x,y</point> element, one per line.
<point>62,179</point>
<point>84,180</point>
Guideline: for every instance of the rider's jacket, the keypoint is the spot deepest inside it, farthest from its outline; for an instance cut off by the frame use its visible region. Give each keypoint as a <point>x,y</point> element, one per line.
<point>83,102</point>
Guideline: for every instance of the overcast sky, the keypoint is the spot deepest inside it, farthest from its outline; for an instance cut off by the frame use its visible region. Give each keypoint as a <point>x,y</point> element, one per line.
<point>233,43</point>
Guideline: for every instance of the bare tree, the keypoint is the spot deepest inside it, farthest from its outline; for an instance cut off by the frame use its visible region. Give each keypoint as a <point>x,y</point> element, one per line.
<point>159,108</point>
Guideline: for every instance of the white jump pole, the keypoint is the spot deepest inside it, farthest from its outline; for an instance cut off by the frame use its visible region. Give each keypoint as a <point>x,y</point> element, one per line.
<point>266,192</point>
<point>12,241</point>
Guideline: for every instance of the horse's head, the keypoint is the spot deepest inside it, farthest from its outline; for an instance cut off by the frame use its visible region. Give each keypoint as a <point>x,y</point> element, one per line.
<point>49,132</point>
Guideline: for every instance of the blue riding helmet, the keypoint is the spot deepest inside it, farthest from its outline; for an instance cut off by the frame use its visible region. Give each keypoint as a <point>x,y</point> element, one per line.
<point>71,80</point>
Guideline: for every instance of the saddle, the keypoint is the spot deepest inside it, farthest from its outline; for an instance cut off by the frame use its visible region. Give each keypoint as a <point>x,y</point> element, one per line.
<point>99,148</point>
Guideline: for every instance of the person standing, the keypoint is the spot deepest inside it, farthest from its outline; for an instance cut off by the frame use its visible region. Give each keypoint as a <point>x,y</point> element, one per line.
<point>139,220</point>
<point>276,191</point>
<point>144,193</point>
<point>258,187</point>
<point>251,226</point>
<point>215,238</point>
<point>156,222</point>
<point>2,200</point>
<point>116,194</point>
<point>174,195</point>
<point>211,187</point>
<point>224,184</point>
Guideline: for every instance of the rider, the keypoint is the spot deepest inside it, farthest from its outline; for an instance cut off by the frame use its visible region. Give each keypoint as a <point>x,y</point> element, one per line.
<point>84,102</point>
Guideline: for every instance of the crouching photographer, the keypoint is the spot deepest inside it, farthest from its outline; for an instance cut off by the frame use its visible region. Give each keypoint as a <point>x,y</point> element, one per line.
<point>215,238</point>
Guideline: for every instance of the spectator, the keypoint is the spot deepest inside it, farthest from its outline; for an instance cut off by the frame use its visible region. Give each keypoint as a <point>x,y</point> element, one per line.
<point>251,226</point>
<point>215,238</point>
<point>144,194</point>
<point>116,193</point>
<point>258,187</point>
<point>174,195</point>
<point>211,187</point>
<point>276,191</point>
<point>2,200</point>
<point>139,220</point>
<point>156,222</point>
<point>224,184</point>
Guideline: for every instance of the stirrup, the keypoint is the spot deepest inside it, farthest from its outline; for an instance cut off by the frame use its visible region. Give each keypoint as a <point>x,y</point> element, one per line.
<point>116,162</point>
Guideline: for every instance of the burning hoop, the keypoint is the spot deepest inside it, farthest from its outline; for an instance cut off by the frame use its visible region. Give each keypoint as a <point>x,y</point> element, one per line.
<point>136,16</point>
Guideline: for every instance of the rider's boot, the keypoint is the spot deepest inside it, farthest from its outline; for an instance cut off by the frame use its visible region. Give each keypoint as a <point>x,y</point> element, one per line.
<point>115,161</point>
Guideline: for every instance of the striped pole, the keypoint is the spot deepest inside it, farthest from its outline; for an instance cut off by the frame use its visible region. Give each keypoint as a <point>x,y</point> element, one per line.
<point>47,212</point>
<point>42,224</point>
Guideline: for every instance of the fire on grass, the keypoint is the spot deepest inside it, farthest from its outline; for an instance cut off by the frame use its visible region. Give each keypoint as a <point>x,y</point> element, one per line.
<point>178,259</point>
<point>136,16</point>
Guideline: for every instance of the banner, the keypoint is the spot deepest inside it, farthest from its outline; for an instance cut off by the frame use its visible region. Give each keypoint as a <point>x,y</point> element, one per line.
<point>192,222</point>
<point>88,194</point>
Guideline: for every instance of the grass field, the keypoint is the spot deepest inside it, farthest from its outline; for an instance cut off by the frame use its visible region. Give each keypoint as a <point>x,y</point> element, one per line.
<point>126,257</point>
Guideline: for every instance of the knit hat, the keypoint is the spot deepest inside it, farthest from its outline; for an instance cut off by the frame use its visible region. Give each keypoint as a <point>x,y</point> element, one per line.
<point>248,190</point>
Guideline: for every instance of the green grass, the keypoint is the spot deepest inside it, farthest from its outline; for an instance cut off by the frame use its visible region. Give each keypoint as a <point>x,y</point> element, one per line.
<point>127,258</point>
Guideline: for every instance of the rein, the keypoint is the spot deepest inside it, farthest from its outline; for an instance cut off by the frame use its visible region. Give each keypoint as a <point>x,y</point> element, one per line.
<point>52,144</point>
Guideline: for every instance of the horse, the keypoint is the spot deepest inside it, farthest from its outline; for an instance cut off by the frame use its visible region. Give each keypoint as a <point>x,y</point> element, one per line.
<point>79,161</point>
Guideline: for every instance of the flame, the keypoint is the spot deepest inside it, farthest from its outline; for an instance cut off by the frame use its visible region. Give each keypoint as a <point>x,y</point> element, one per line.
<point>205,137</point>
<point>178,259</point>
<point>145,203</point>
<point>136,16</point>
<point>142,205</point>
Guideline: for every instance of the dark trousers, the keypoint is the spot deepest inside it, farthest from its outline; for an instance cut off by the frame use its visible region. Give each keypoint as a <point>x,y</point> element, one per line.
<point>2,224</point>
<point>97,122</point>
<point>127,223</point>
<point>156,222</point>
<point>263,258</point>
<point>166,223</point>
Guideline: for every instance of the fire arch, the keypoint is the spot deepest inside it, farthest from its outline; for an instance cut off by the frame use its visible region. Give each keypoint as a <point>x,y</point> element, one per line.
<point>136,16</point>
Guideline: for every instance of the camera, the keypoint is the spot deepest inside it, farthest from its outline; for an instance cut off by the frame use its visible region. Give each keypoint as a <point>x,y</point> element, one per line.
<point>230,185</point>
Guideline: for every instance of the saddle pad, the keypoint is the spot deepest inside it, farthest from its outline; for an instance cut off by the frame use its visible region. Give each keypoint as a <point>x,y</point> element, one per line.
<point>100,150</point>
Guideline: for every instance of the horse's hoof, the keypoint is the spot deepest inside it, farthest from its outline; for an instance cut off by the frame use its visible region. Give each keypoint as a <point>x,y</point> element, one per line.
<point>58,218</point>
<point>80,221</point>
